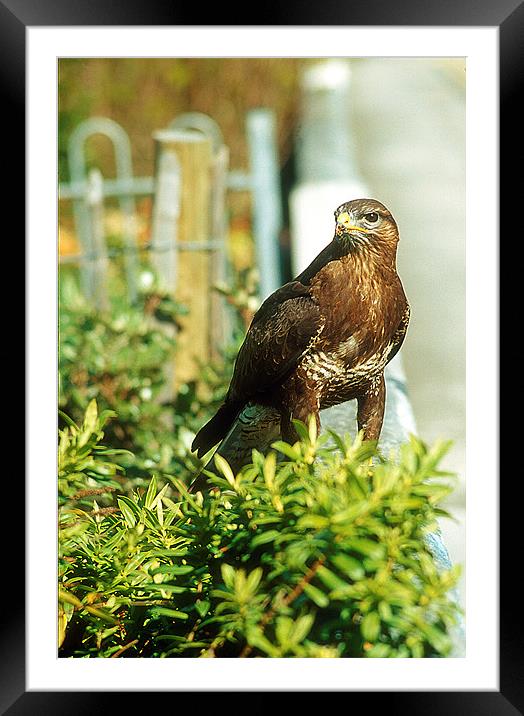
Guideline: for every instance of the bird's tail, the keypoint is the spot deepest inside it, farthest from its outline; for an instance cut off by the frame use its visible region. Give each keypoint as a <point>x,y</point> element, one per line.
<point>215,429</point>
<point>254,426</point>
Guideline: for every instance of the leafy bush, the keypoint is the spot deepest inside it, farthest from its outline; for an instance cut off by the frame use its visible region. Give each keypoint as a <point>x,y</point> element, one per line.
<point>124,358</point>
<point>83,469</point>
<point>318,554</point>
<point>115,356</point>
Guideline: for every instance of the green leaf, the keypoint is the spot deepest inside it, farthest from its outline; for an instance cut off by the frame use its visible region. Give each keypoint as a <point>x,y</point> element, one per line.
<point>270,463</point>
<point>301,628</point>
<point>378,651</point>
<point>264,538</point>
<point>339,442</point>
<point>100,450</point>
<point>228,575</point>
<point>151,492</point>
<point>320,599</point>
<point>301,429</point>
<point>127,512</point>
<point>160,512</point>
<point>367,547</point>
<point>312,429</point>
<point>437,638</point>
<point>182,488</point>
<point>256,638</point>
<point>384,609</point>
<point>174,570</point>
<point>283,628</point>
<point>163,586</point>
<point>349,565</point>
<point>287,450</point>
<point>69,598</point>
<point>70,422</point>
<point>182,552</point>
<point>349,514</point>
<point>370,626</point>
<point>165,612</point>
<point>104,416</point>
<point>89,424</point>
<point>253,579</point>
<point>316,522</point>
<point>330,579</point>
<point>202,607</point>
<point>157,500</point>
<point>223,466</point>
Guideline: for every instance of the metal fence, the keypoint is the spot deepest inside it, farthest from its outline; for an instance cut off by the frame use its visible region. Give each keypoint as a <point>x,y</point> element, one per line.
<point>190,186</point>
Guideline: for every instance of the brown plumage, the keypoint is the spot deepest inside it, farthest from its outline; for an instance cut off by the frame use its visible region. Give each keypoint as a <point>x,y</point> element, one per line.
<point>317,341</point>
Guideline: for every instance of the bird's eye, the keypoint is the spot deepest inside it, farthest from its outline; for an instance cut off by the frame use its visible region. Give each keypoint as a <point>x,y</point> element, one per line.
<point>372,217</point>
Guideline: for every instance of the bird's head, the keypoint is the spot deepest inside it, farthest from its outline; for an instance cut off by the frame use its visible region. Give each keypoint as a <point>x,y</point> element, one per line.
<point>362,222</point>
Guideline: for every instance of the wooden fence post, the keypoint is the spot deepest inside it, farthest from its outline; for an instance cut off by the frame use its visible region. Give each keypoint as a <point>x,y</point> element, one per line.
<point>166,214</point>
<point>193,260</point>
<point>220,318</point>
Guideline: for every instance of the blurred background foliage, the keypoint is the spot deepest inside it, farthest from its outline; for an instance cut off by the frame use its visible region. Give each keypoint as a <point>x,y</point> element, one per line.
<point>146,95</point>
<point>121,88</point>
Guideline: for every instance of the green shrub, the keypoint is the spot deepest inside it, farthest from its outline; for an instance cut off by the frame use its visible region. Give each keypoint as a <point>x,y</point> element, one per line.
<point>124,358</point>
<point>318,554</point>
<point>83,466</point>
<point>116,357</point>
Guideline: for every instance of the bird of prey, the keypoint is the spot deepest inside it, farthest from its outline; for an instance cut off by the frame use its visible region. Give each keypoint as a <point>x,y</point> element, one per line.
<point>320,340</point>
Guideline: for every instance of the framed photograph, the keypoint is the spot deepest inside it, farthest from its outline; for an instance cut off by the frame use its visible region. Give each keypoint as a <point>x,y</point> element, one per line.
<point>474,53</point>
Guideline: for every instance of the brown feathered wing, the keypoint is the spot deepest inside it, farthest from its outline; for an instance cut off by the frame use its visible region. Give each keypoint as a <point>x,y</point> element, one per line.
<point>280,332</point>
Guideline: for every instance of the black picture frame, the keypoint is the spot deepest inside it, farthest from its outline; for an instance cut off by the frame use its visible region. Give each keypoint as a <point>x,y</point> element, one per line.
<point>508,15</point>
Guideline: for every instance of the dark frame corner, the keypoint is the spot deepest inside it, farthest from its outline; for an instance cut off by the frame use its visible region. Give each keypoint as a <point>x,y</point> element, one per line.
<point>508,16</point>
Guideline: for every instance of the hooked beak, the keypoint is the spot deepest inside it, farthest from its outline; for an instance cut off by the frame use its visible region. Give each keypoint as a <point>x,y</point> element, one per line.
<point>344,222</point>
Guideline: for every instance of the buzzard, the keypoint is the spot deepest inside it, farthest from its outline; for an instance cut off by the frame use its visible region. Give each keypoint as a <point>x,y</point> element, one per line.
<point>319,340</point>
